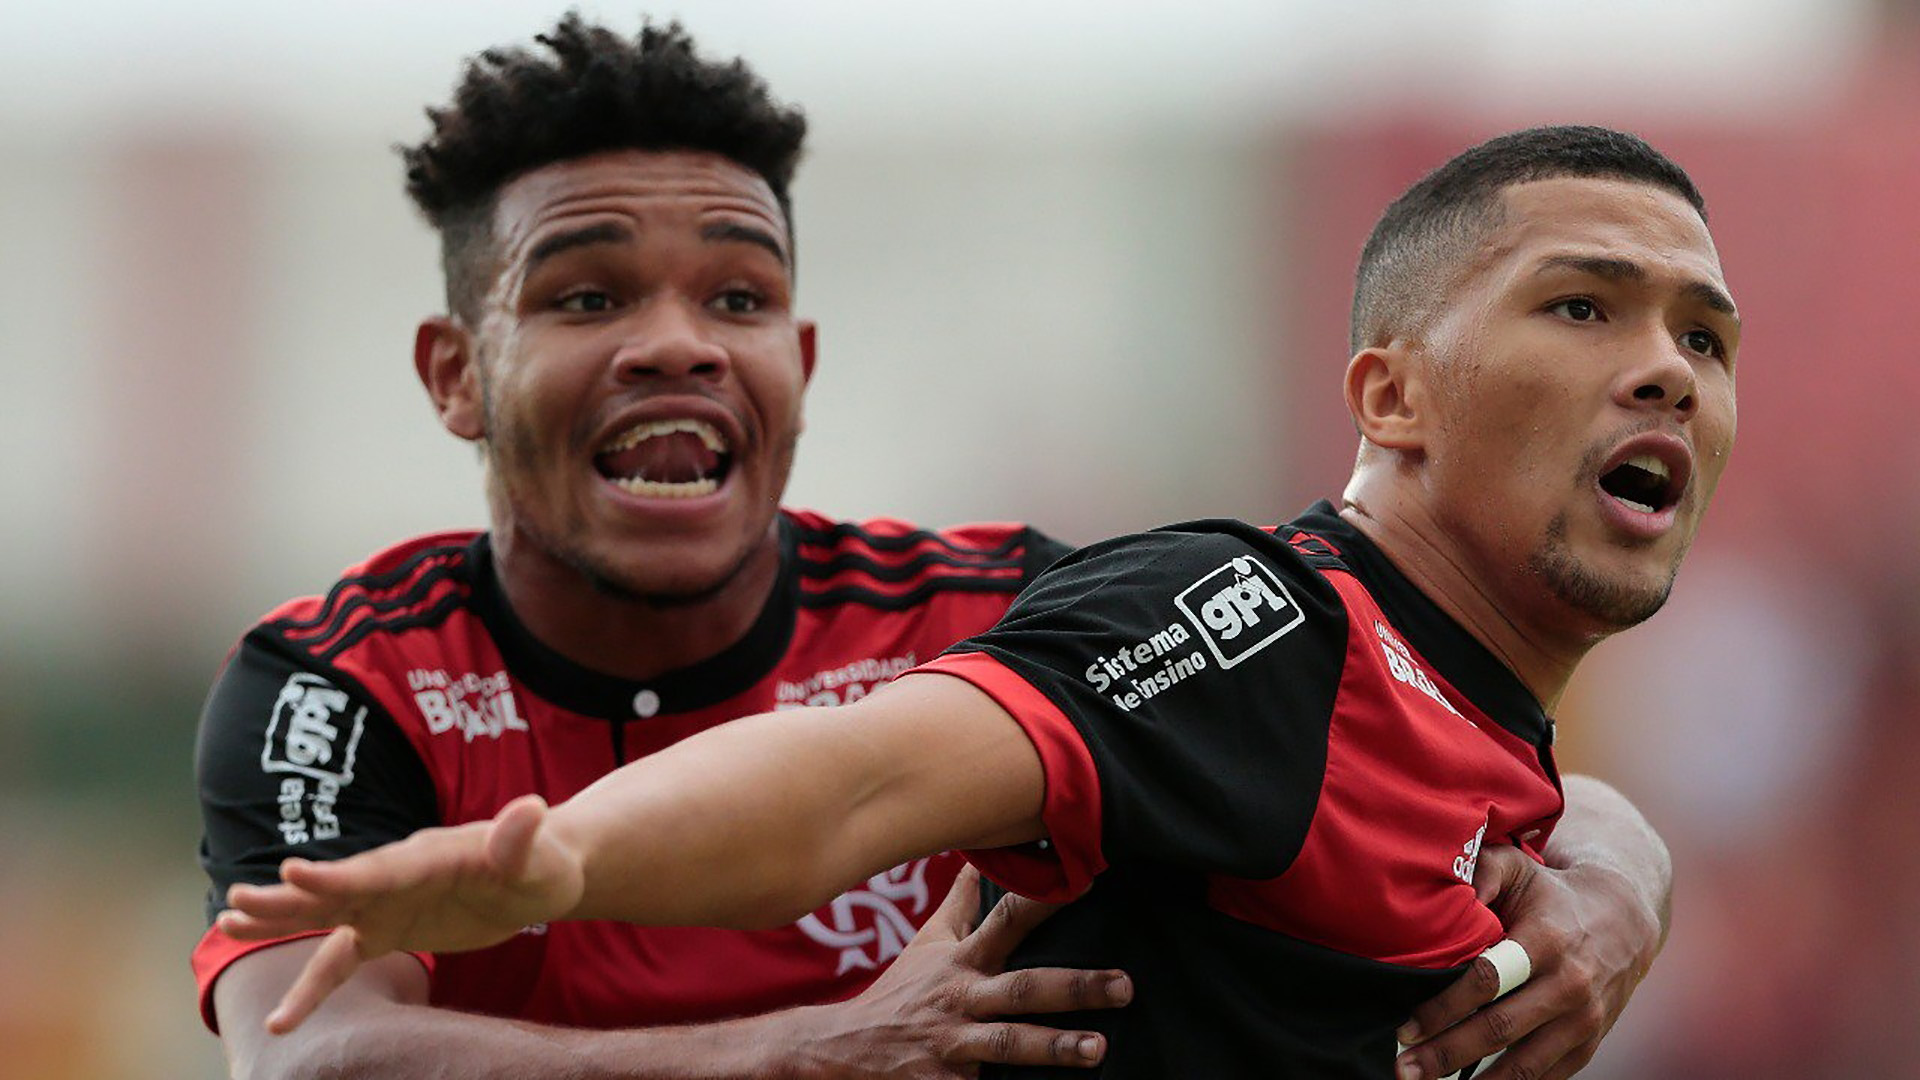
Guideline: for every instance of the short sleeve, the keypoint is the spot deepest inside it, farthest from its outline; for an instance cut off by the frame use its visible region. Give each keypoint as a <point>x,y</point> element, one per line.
<point>1041,551</point>
<point>293,761</point>
<point>1178,686</point>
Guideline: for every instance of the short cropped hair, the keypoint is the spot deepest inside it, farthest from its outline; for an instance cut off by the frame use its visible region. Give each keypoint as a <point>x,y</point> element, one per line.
<point>515,110</point>
<point>1421,241</point>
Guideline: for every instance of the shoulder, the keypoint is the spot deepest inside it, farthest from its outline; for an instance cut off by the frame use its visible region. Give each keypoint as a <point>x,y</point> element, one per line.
<point>888,562</point>
<point>1195,560</point>
<point>412,583</point>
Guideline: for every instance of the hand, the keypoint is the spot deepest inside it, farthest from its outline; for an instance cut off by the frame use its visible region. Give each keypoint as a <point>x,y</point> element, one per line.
<point>932,1014</point>
<point>441,890</point>
<point>1591,936</point>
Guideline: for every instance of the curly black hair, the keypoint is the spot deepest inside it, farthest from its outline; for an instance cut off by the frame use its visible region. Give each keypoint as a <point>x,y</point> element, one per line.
<point>515,110</point>
<point>1429,230</point>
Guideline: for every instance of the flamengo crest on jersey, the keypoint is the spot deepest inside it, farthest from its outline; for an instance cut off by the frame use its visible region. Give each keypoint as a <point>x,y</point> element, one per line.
<point>869,928</point>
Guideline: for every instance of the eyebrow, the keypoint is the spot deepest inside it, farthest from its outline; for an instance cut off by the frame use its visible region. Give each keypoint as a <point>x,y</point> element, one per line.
<point>735,232</point>
<point>1628,270</point>
<point>605,232</point>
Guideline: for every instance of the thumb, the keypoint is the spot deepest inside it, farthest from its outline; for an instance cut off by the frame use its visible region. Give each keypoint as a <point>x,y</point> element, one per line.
<point>510,840</point>
<point>954,918</point>
<point>1010,921</point>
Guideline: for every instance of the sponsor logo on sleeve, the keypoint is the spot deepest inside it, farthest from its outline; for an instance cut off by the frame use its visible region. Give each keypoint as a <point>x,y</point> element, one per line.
<point>312,731</point>
<point>311,739</point>
<point>1239,609</point>
<point>1138,671</point>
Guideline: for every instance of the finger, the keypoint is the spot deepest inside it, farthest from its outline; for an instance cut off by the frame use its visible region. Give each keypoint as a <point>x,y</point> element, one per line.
<point>510,840</point>
<point>1500,870</point>
<point>1046,990</point>
<point>389,868</point>
<point>953,919</point>
<point>1480,985</point>
<point>257,912</point>
<point>1524,1027</point>
<point>1010,921</point>
<point>273,901</point>
<point>1027,1044</point>
<point>1555,1050</point>
<point>1575,1060</point>
<point>243,926</point>
<point>331,965</point>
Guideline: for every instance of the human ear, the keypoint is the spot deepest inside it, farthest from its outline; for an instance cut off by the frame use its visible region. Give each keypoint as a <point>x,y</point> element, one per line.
<point>1386,396</point>
<point>809,343</point>
<point>443,358</point>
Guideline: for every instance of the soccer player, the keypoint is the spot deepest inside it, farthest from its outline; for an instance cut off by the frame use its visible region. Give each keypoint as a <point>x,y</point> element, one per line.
<point>1261,763</point>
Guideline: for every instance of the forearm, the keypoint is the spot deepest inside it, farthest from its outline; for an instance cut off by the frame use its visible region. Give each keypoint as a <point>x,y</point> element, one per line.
<point>419,1041</point>
<point>761,820</point>
<point>732,828</point>
<point>1602,831</point>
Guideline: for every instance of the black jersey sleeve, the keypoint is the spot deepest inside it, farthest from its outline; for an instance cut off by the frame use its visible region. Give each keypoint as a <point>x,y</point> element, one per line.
<point>292,759</point>
<point>1041,551</point>
<point>1178,685</point>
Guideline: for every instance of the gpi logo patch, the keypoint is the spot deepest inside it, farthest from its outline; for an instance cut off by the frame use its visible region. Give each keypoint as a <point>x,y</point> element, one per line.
<point>1239,609</point>
<point>313,735</point>
<point>311,731</point>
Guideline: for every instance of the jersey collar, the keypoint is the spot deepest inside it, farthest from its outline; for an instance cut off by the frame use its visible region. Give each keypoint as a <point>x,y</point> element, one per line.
<point>1473,670</point>
<point>597,694</point>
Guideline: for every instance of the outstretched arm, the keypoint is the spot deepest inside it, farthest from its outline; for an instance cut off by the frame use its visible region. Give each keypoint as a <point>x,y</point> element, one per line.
<point>753,824</point>
<point>935,1013</point>
<point>1592,919</point>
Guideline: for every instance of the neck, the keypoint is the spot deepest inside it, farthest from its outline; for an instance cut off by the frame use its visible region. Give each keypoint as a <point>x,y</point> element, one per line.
<point>630,637</point>
<point>1541,655</point>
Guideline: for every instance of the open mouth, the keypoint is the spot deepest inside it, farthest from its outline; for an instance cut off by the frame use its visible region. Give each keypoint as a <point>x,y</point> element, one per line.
<point>681,458</point>
<point>1642,483</point>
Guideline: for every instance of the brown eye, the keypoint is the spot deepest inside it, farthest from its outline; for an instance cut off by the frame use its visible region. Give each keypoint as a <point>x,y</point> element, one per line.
<point>1577,308</point>
<point>738,302</point>
<point>586,302</point>
<point>1703,342</point>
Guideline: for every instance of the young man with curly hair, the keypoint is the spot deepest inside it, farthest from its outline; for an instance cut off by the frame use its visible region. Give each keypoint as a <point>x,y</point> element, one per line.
<point>622,346</point>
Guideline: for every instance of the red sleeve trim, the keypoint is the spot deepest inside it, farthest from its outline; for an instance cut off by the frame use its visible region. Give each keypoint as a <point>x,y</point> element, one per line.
<point>216,952</point>
<point>1060,868</point>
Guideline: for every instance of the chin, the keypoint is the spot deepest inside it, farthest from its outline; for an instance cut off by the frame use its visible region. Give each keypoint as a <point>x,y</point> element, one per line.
<point>661,579</point>
<point>1614,601</point>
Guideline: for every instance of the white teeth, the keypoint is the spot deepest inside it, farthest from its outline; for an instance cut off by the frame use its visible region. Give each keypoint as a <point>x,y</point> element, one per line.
<point>1642,507</point>
<point>658,489</point>
<point>1650,463</point>
<point>708,434</point>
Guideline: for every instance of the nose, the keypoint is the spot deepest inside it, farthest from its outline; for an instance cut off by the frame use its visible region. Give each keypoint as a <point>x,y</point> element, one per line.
<point>1666,381</point>
<point>666,338</point>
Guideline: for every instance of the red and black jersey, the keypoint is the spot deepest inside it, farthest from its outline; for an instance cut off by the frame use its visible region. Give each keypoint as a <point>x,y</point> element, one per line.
<point>411,696</point>
<point>1270,762</point>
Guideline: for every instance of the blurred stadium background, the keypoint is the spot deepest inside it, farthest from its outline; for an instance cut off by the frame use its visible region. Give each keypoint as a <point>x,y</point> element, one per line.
<point>1081,263</point>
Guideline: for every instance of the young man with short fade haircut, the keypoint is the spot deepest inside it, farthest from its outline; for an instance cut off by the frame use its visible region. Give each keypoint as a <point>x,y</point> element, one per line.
<point>517,110</point>
<point>1260,765</point>
<point>1425,237</point>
